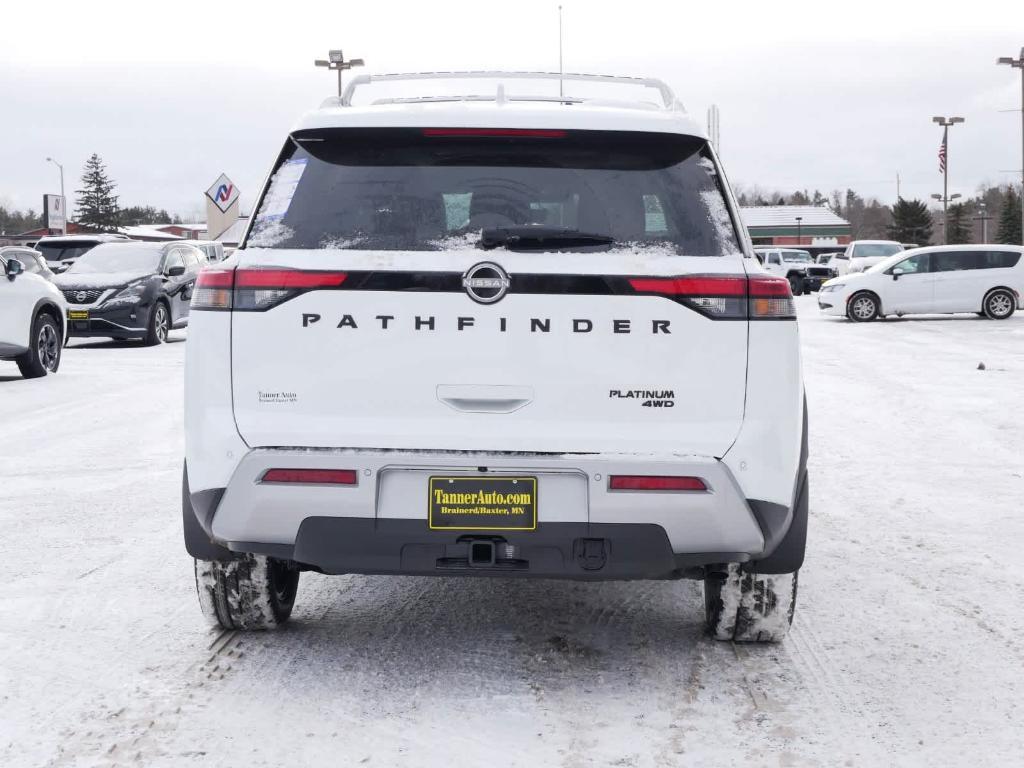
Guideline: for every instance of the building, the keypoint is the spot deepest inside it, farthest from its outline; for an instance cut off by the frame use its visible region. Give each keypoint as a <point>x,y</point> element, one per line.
<point>803,225</point>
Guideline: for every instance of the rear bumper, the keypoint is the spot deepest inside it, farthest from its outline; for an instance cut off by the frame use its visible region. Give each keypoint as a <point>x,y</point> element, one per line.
<point>380,524</point>
<point>599,551</point>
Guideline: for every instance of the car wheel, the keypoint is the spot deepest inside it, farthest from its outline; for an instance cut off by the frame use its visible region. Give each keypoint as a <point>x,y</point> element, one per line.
<point>796,285</point>
<point>1000,304</point>
<point>43,356</point>
<point>749,607</point>
<point>250,592</point>
<point>159,325</point>
<point>862,308</point>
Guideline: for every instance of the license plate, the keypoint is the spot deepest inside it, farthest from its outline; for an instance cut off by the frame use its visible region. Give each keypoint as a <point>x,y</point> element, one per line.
<point>483,503</point>
<point>78,314</point>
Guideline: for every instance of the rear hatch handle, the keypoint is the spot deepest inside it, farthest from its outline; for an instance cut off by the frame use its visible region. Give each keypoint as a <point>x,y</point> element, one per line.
<point>485,398</point>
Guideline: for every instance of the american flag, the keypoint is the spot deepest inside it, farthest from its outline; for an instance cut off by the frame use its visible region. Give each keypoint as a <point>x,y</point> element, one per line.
<point>942,156</point>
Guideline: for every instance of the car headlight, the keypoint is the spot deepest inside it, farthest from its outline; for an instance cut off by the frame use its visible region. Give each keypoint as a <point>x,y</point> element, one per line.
<point>831,287</point>
<point>130,293</point>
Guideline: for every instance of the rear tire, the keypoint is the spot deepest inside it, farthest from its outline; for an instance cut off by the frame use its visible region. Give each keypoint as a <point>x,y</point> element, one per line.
<point>999,304</point>
<point>43,356</point>
<point>862,307</point>
<point>250,592</point>
<point>749,607</point>
<point>796,285</point>
<point>159,325</point>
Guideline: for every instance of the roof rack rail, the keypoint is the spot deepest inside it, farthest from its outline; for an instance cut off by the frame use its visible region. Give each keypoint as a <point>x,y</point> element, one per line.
<point>669,100</point>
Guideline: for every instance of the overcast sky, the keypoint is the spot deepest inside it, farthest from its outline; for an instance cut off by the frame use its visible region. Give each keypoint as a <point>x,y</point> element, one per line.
<point>811,94</point>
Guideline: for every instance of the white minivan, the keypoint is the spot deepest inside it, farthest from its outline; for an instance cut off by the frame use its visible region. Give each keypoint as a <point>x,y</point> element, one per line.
<point>984,279</point>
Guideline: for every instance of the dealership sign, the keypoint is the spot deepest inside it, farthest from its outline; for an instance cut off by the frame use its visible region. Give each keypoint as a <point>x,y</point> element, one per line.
<point>54,214</point>
<point>223,193</point>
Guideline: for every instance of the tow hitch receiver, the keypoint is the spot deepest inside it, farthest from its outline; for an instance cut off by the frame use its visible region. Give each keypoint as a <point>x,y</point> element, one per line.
<point>591,554</point>
<point>481,554</point>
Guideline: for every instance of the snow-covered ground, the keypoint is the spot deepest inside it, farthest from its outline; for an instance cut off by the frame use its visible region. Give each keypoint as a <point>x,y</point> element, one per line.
<point>908,645</point>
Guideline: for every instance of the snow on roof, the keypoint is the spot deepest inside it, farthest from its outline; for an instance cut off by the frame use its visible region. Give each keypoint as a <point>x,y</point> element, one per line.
<point>785,216</point>
<point>147,231</point>
<point>189,227</point>
<point>510,114</point>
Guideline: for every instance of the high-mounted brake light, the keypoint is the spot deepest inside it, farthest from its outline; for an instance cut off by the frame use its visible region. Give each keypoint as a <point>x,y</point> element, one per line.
<point>725,297</point>
<point>255,289</point>
<point>655,483</point>
<point>500,133</point>
<point>311,476</point>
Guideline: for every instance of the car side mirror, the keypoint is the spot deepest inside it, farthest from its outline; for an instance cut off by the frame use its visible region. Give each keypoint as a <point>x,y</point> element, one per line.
<point>13,269</point>
<point>896,273</point>
<point>175,271</point>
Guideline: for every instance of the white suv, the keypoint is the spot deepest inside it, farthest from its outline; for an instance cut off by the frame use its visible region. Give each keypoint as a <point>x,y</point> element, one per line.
<point>490,336</point>
<point>31,319</point>
<point>862,254</point>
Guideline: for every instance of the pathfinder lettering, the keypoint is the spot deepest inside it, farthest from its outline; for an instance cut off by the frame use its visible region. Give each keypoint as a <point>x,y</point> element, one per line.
<point>463,323</point>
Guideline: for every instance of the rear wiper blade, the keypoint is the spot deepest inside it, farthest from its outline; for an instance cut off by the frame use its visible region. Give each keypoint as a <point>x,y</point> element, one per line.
<point>539,237</point>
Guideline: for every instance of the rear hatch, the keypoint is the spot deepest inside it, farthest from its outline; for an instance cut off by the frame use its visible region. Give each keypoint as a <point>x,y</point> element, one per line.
<point>460,289</point>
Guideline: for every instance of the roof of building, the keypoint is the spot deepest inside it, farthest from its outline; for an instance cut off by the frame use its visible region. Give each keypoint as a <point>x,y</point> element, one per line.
<point>785,216</point>
<point>147,232</point>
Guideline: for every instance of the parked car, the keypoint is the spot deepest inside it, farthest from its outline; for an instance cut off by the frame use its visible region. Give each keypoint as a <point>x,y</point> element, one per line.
<point>861,254</point>
<point>797,266</point>
<point>537,358</point>
<point>31,319</point>
<point>61,251</point>
<point>214,251</point>
<point>32,260</point>
<point>985,279</point>
<point>131,290</point>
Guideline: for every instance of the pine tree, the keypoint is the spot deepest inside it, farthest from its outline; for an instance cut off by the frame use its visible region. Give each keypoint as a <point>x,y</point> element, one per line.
<point>1009,219</point>
<point>911,222</point>
<point>97,204</point>
<point>959,232</point>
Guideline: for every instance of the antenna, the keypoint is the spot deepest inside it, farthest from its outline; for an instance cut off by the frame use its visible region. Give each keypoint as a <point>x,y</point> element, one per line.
<point>561,69</point>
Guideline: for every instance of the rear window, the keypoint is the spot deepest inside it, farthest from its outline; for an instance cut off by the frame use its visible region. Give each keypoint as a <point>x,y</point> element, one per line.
<point>405,190</point>
<point>953,261</point>
<point>62,251</point>
<point>875,250</point>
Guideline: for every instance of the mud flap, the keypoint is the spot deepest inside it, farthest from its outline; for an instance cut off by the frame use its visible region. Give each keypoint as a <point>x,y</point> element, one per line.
<point>197,542</point>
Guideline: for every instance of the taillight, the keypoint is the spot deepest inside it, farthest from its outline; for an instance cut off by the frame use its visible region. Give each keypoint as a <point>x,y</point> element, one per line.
<point>213,289</point>
<point>255,289</point>
<point>655,483</point>
<point>311,476</point>
<point>725,297</point>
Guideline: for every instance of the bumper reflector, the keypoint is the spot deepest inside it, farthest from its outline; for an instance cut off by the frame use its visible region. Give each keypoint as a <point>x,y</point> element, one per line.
<point>311,476</point>
<point>655,483</point>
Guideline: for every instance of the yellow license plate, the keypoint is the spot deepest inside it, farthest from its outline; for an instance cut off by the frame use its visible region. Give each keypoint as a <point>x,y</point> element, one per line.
<point>482,503</point>
<point>78,314</point>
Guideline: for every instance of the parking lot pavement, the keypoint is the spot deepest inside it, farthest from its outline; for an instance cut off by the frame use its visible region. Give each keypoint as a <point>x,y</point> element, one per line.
<point>907,647</point>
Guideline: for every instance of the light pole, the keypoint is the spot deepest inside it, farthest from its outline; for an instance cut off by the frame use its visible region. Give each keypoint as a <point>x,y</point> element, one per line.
<point>63,200</point>
<point>945,122</point>
<point>1019,64</point>
<point>799,231</point>
<point>336,60</point>
<point>945,220</point>
<point>984,218</point>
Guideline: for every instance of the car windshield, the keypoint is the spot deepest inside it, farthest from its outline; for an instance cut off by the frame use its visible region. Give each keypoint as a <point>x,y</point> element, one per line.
<point>875,250</point>
<point>801,257</point>
<point>885,264</point>
<point>63,251</point>
<point>117,258</point>
<point>436,189</point>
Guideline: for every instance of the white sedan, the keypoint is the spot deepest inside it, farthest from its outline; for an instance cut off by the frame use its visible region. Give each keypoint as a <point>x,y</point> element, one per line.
<point>985,279</point>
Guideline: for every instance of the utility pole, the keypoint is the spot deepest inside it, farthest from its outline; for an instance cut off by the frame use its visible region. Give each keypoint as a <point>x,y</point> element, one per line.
<point>336,60</point>
<point>898,195</point>
<point>1019,64</point>
<point>799,230</point>
<point>945,122</point>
